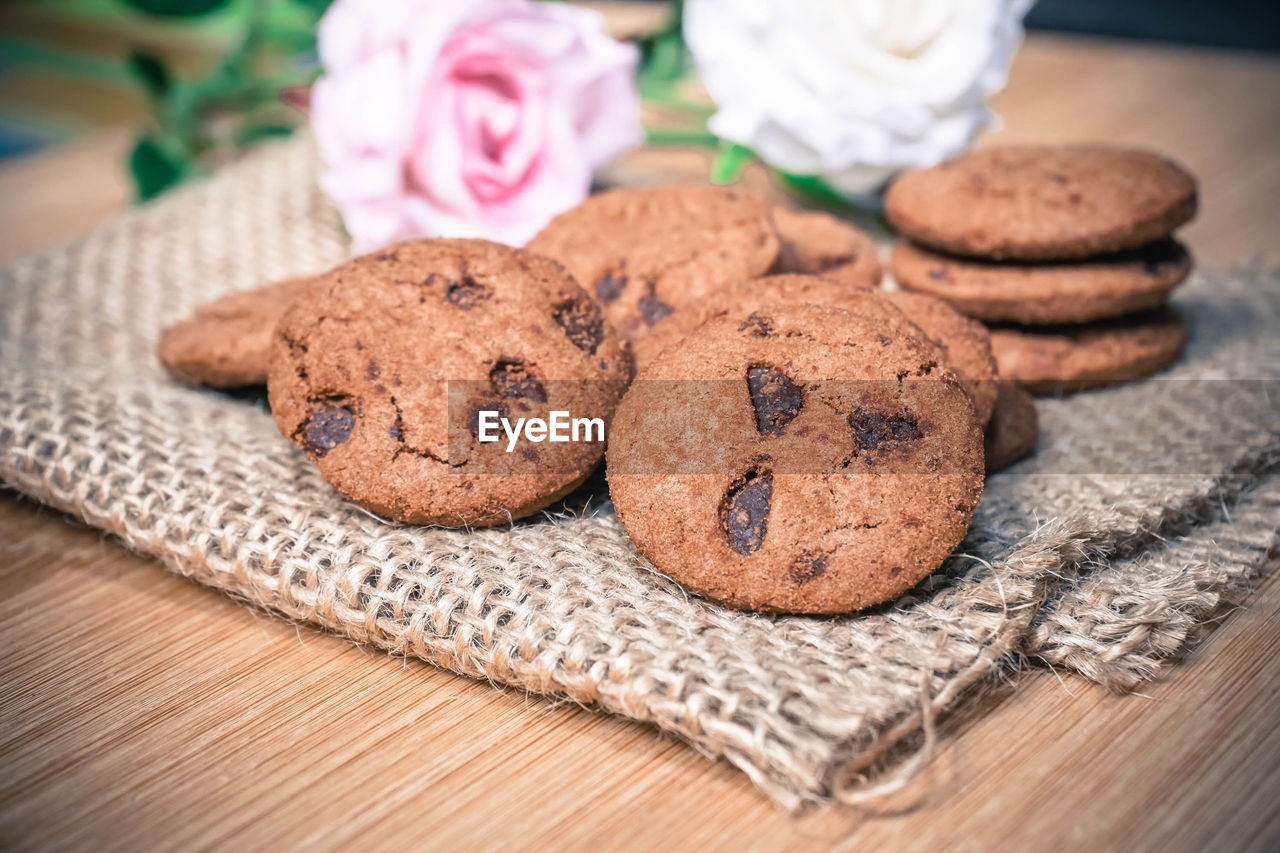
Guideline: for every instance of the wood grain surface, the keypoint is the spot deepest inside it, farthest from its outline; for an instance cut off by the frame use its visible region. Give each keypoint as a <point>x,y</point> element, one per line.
<point>138,710</point>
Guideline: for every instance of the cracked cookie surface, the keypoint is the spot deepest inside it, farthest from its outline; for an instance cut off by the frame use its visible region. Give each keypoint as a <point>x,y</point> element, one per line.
<point>767,290</point>
<point>647,253</point>
<point>381,377</point>
<point>964,343</point>
<point>797,458</point>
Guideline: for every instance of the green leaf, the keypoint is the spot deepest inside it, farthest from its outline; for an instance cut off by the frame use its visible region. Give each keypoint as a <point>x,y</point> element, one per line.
<point>177,8</point>
<point>154,170</point>
<point>151,72</point>
<point>730,162</point>
<point>663,58</point>
<point>315,7</point>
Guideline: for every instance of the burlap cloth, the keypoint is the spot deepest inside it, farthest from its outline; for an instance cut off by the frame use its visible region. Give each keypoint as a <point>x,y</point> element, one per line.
<point>1060,563</point>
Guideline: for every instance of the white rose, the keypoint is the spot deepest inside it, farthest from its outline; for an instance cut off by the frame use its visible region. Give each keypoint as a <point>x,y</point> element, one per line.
<point>852,90</point>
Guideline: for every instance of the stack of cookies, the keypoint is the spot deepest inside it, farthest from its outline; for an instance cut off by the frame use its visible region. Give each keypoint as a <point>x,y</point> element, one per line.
<point>783,435</point>
<point>1065,251</point>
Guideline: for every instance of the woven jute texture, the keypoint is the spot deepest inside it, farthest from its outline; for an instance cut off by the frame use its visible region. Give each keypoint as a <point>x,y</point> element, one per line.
<point>812,709</point>
<point>1120,624</point>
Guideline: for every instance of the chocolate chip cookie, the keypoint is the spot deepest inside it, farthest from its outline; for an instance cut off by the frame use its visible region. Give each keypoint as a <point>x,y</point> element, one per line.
<point>964,345</point>
<point>648,252</point>
<point>225,343</point>
<point>393,374</point>
<point>762,291</point>
<point>796,458</point>
<point>1046,292</point>
<point>1046,202</point>
<point>1011,432</point>
<point>817,243</point>
<point>1056,359</point>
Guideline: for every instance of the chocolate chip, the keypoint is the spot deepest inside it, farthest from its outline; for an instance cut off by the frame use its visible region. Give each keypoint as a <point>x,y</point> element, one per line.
<point>466,293</point>
<point>806,568</point>
<point>776,399</point>
<point>652,309</point>
<point>872,429</point>
<point>511,378</point>
<point>327,427</point>
<point>609,286</point>
<point>1058,178</point>
<point>939,274</point>
<point>473,416</point>
<point>756,325</point>
<point>582,322</point>
<point>744,512</point>
<point>371,371</point>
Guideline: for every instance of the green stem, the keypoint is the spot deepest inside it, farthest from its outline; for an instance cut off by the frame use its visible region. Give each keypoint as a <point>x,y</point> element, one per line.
<point>661,95</point>
<point>730,162</point>
<point>675,136</point>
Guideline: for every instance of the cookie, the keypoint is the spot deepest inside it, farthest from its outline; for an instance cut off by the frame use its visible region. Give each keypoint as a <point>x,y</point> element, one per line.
<point>817,243</point>
<point>1042,202</point>
<point>1054,359</point>
<point>225,343</point>
<point>1046,293</point>
<point>648,252</point>
<point>1011,432</point>
<point>965,344</point>
<point>756,292</point>
<point>796,459</point>
<point>390,374</point>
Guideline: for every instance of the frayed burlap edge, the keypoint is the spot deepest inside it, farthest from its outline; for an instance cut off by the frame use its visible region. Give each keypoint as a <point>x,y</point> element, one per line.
<point>1123,623</point>
<point>1206,553</point>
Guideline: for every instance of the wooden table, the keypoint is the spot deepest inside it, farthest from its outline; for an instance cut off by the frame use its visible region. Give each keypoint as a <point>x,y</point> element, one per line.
<point>138,709</point>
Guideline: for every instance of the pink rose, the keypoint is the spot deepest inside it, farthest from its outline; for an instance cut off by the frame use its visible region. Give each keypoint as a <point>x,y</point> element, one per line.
<point>466,118</point>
